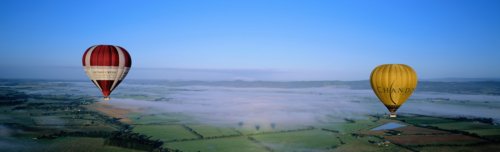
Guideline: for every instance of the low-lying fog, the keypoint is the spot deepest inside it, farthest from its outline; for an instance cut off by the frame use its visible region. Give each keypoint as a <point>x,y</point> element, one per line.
<point>230,105</point>
<point>297,105</point>
<point>261,105</point>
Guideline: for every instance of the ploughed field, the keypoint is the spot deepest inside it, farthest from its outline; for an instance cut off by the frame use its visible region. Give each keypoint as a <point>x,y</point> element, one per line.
<point>31,120</point>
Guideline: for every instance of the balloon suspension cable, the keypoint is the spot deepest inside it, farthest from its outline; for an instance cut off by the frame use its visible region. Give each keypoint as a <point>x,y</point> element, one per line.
<point>392,115</point>
<point>106,98</point>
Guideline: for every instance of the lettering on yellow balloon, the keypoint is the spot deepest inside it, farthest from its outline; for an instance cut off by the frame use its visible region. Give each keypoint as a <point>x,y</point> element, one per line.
<point>395,90</point>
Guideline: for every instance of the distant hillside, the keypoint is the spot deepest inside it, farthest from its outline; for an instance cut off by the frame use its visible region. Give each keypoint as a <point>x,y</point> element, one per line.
<point>480,87</point>
<point>462,79</point>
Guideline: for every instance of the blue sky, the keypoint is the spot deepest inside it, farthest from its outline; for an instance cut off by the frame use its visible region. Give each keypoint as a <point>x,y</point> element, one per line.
<point>254,40</point>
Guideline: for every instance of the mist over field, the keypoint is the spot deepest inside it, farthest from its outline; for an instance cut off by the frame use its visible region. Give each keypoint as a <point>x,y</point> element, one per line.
<point>305,105</point>
<point>227,103</point>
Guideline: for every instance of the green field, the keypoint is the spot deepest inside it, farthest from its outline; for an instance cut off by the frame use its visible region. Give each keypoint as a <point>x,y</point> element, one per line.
<point>213,131</point>
<point>309,140</point>
<point>165,132</point>
<point>80,144</point>
<point>349,127</point>
<point>249,130</point>
<point>423,120</point>
<point>163,118</point>
<point>233,144</point>
<point>464,126</point>
<point>485,132</point>
<point>356,144</point>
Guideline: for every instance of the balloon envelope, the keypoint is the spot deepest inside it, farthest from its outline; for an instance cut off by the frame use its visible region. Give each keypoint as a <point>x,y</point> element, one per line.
<point>106,66</point>
<point>393,84</point>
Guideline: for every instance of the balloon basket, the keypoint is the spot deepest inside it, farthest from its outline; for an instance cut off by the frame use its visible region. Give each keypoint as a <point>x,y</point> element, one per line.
<point>106,98</point>
<point>392,115</point>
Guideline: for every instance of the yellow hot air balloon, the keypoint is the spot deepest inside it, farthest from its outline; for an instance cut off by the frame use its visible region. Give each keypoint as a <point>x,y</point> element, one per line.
<point>393,84</point>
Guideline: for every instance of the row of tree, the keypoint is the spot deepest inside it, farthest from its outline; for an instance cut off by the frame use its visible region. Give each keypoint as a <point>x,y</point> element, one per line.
<point>102,134</point>
<point>10,97</point>
<point>283,131</point>
<point>133,140</point>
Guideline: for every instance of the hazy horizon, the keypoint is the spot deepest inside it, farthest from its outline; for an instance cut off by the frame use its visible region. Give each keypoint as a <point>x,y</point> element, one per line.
<point>187,74</point>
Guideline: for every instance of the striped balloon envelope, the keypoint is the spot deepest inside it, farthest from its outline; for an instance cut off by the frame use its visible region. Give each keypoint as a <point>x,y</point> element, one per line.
<point>106,66</point>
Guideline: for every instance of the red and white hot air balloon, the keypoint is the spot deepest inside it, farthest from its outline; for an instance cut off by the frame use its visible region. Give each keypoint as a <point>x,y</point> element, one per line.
<point>106,66</point>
